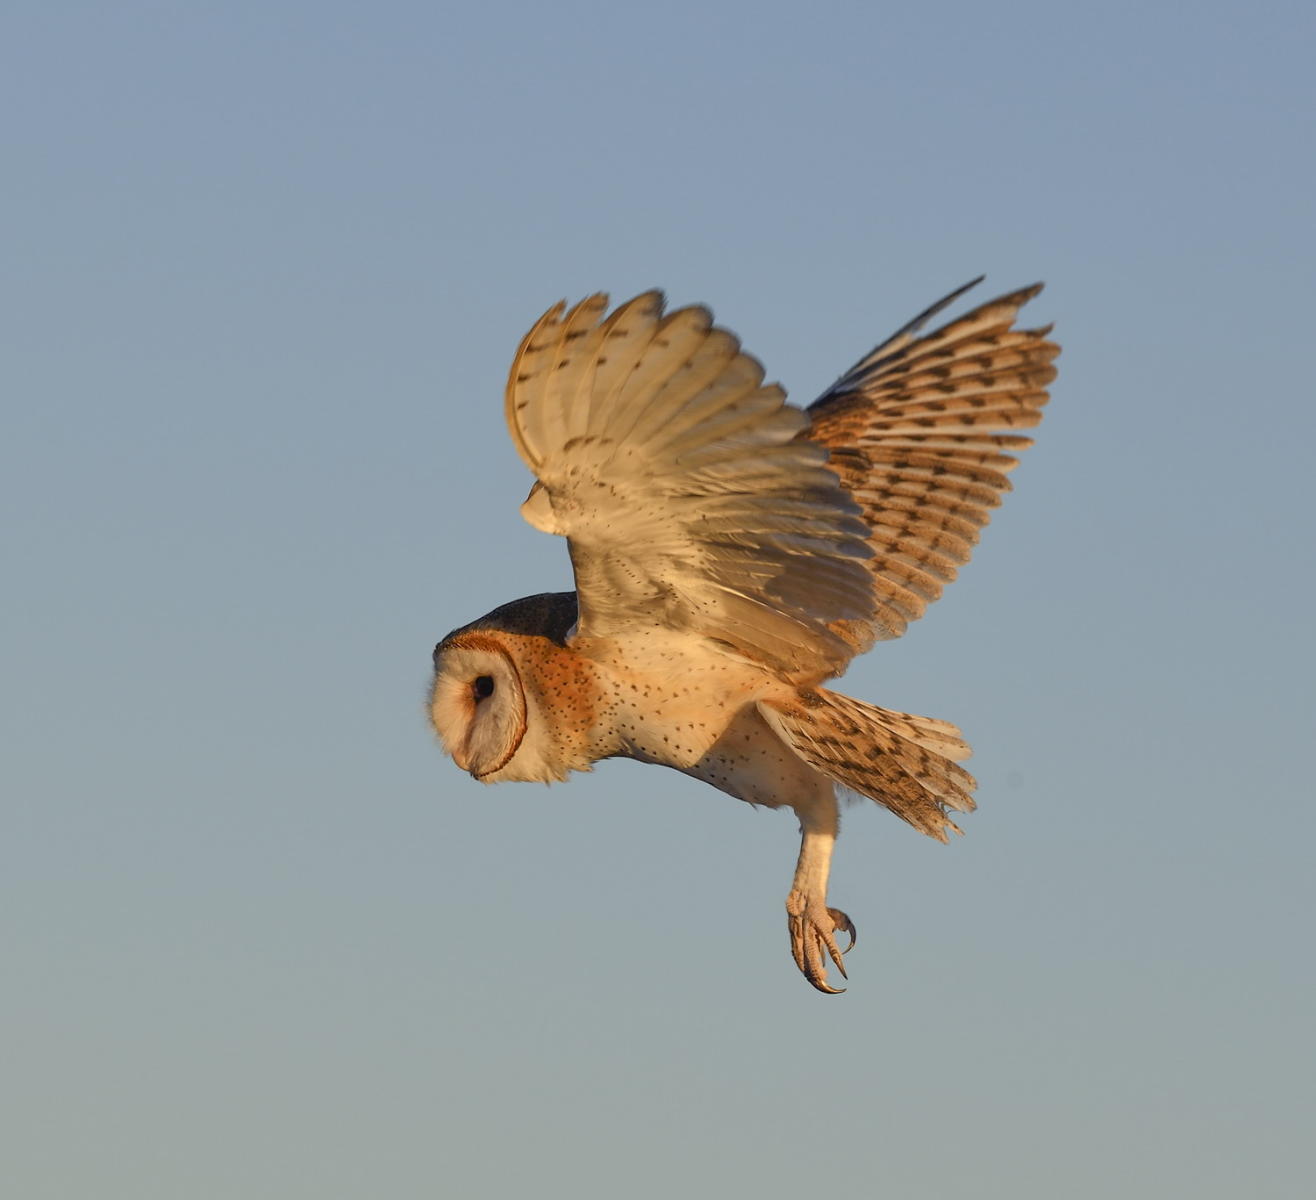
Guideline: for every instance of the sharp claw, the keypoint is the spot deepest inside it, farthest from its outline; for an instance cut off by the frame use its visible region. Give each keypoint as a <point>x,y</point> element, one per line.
<point>845,925</point>
<point>817,972</point>
<point>823,986</point>
<point>835,952</point>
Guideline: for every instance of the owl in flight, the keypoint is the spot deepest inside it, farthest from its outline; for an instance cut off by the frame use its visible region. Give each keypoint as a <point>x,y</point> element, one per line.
<point>732,553</point>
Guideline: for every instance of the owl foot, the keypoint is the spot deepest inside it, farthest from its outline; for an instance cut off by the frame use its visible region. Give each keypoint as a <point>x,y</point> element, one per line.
<point>812,928</point>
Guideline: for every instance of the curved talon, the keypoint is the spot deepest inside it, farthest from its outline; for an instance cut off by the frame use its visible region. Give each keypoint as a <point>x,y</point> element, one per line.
<point>845,925</point>
<point>823,986</point>
<point>810,936</point>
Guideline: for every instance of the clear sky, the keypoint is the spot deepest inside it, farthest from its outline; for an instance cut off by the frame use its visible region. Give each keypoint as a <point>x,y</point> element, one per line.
<point>264,269</point>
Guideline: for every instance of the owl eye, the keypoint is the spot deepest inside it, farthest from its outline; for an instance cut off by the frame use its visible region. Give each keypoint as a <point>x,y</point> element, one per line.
<point>482,687</point>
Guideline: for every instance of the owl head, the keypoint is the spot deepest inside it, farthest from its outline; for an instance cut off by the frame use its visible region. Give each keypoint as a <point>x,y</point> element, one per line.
<point>484,704</point>
<point>477,703</point>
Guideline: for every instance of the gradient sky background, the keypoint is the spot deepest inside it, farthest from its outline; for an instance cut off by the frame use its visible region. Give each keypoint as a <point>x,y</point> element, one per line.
<point>265,266</point>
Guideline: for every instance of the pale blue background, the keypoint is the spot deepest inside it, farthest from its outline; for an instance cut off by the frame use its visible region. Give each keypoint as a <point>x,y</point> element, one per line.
<point>264,268</point>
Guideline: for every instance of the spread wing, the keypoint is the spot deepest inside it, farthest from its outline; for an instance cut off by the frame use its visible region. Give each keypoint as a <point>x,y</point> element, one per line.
<point>688,498</point>
<point>923,432</point>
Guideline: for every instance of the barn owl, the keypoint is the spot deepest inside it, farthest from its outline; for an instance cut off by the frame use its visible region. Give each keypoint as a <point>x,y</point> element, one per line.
<point>732,553</point>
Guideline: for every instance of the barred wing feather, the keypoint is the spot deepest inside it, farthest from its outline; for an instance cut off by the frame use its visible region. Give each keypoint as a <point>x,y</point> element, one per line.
<point>922,433</point>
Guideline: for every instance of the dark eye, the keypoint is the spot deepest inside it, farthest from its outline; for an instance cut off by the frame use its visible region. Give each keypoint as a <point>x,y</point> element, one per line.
<point>482,687</point>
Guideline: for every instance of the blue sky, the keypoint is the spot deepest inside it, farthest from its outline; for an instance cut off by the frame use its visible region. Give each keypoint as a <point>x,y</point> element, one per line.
<point>265,268</point>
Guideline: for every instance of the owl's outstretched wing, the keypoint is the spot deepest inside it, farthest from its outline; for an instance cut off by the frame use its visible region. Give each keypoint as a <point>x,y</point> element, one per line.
<point>687,496</point>
<point>922,432</point>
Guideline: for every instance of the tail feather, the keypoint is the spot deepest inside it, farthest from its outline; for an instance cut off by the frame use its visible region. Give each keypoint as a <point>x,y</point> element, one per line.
<point>906,763</point>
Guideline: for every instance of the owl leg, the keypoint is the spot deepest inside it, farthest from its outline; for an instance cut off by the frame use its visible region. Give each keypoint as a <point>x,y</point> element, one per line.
<point>812,924</point>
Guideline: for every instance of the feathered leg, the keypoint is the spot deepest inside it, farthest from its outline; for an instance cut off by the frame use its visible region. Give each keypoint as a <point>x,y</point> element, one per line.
<point>812,924</point>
